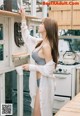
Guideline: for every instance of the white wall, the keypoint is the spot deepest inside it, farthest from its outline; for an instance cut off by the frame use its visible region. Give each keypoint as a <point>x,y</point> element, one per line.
<point>1,2</point>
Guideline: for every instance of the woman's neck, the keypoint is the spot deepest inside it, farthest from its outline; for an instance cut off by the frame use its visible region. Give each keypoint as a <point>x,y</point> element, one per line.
<point>43,34</point>
<point>44,37</point>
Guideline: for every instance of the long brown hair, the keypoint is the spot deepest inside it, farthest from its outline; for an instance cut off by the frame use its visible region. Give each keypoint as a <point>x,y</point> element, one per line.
<point>51,27</point>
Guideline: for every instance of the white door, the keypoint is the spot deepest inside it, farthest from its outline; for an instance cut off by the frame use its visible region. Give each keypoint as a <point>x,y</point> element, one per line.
<point>4,50</point>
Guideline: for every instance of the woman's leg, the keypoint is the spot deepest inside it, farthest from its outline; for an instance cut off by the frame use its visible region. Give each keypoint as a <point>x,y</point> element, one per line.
<point>37,105</point>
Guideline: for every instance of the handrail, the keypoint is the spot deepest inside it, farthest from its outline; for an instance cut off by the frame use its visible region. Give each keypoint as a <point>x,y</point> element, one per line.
<point>8,13</point>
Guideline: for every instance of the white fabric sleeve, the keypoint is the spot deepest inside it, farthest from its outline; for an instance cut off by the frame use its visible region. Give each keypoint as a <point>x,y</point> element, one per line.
<point>45,70</point>
<point>29,40</point>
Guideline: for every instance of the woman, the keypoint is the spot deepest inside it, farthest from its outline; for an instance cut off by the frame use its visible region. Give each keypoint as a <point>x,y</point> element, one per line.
<point>45,54</point>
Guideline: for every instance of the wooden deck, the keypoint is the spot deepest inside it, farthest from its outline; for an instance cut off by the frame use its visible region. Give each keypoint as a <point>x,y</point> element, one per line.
<point>72,108</point>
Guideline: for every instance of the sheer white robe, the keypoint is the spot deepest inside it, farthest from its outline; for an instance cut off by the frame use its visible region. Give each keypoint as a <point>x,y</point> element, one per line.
<point>47,81</point>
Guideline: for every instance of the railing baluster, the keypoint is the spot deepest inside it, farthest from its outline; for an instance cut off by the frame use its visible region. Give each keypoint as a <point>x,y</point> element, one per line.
<point>2,90</point>
<point>19,95</point>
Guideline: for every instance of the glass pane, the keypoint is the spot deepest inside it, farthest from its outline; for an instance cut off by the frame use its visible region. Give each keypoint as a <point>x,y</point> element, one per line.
<point>63,46</point>
<point>65,32</point>
<point>74,44</point>
<point>1,31</point>
<point>1,52</point>
<point>32,30</point>
<point>37,34</point>
<point>69,44</point>
<point>1,5</point>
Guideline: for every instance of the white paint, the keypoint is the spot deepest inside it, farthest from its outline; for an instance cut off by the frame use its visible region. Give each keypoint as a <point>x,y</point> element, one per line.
<point>19,95</point>
<point>13,48</point>
<point>33,7</point>
<point>19,90</point>
<point>44,9</point>
<point>10,48</point>
<point>2,90</point>
<point>1,2</point>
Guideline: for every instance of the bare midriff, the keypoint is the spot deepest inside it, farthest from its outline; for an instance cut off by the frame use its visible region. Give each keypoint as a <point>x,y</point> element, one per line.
<point>38,75</point>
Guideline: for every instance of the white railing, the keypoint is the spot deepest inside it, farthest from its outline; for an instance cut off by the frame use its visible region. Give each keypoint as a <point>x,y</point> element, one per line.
<point>2,90</point>
<point>19,93</point>
<point>78,80</point>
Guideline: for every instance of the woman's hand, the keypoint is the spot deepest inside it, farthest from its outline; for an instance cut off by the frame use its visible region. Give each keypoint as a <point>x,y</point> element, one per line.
<point>22,12</point>
<point>25,67</point>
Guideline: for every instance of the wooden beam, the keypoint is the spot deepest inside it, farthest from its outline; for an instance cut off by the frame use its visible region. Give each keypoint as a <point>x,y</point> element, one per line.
<point>8,13</point>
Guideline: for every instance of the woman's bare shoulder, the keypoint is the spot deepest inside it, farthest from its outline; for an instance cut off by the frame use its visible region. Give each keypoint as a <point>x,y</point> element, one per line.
<point>47,47</point>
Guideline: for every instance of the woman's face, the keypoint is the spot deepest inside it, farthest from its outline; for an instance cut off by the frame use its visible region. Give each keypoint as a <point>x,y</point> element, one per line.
<point>41,28</point>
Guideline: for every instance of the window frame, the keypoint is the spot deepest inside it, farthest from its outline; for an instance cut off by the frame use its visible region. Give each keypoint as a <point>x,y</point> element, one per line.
<point>4,42</point>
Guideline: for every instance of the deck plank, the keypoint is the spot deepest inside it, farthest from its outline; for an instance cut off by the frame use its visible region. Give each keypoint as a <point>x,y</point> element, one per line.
<point>72,108</point>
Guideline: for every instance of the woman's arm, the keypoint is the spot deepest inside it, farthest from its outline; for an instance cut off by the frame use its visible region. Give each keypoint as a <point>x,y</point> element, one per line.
<point>29,40</point>
<point>45,70</point>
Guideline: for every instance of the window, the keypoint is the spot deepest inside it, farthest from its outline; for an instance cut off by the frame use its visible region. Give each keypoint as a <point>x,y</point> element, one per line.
<point>33,27</point>
<point>69,40</point>
<point>4,50</point>
<point>1,43</point>
<point>63,46</point>
<point>1,32</point>
<point>65,32</point>
<point>1,52</point>
<point>72,37</point>
<point>74,44</point>
<point>34,31</point>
